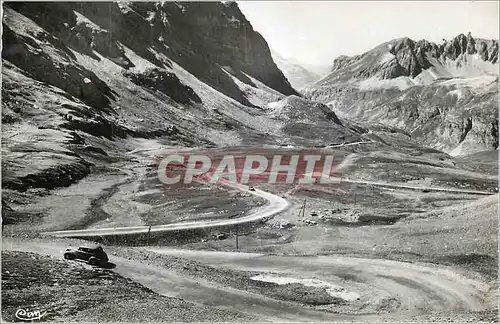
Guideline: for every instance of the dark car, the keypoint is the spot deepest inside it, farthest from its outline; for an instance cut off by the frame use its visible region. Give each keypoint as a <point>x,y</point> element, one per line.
<point>93,254</point>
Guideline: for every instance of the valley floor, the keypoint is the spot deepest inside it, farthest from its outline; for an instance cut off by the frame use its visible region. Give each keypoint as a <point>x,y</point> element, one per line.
<point>373,253</point>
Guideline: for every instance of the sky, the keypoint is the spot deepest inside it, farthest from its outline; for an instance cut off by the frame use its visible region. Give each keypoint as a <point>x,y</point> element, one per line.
<point>316,32</point>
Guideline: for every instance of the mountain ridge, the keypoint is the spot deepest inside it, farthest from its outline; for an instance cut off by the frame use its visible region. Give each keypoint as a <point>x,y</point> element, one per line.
<point>203,37</point>
<point>434,92</point>
<point>406,57</point>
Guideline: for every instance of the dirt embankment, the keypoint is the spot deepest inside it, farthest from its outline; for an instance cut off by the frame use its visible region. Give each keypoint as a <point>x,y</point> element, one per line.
<point>71,291</point>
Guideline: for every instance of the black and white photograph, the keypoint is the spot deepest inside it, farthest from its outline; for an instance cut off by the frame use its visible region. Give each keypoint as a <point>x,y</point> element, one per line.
<point>250,161</point>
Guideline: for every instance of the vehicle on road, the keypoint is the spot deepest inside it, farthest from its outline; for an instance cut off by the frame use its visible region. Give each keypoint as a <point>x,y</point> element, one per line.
<point>221,236</point>
<point>93,254</point>
<point>251,189</point>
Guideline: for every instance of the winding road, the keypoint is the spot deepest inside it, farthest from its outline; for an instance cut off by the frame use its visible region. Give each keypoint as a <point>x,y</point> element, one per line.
<point>416,286</point>
<point>388,289</point>
<point>275,206</point>
<point>400,289</point>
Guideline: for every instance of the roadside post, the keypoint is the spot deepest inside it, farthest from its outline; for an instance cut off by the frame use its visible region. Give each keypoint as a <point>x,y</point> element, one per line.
<point>149,233</point>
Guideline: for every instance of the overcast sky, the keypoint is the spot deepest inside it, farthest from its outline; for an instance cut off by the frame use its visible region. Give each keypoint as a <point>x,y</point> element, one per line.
<point>317,32</point>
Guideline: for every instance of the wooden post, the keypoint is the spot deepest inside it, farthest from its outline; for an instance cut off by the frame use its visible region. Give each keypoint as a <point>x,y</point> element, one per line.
<point>149,232</point>
<point>355,195</point>
<point>302,210</point>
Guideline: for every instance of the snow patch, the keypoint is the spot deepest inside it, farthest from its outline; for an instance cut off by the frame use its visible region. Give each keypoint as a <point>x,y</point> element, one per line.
<point>331,289</point>
<point>402,83</point>
<point>465,66</point>
<point>151,16</point>
<point>273,105</point>
<point>124,7</point>
<point>141,64</point>
<point>476,82</point>
<point>149,192</point>
<point>262,86</point>
<point>259,96</point>
<point>81,19</point>
<point>387,57</point>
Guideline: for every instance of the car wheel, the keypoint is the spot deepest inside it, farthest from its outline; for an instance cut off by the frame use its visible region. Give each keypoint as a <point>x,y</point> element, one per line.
<point>68,256</point>
<point>93,261</point>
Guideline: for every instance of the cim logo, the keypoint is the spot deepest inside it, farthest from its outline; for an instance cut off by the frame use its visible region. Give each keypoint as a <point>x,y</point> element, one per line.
<point>27,315</point>
<point>274,166</point>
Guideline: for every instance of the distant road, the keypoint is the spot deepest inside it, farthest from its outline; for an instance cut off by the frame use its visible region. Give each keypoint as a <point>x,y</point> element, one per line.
<point>349,144</point>
<point>390,185</point>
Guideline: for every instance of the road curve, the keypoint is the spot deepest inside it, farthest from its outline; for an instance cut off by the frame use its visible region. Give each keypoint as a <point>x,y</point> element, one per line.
<point>416,288</point>
<point>413,287</point>
<point>170,283</point>
<point>276,205</point>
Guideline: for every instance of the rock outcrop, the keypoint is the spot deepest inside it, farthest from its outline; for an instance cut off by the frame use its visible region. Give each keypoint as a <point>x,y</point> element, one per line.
<point>167,83</point>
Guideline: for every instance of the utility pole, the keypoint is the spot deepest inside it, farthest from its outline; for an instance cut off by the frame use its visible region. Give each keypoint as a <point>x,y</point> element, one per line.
<point>149,232</point>
<point>237,245</point>
<point>302,210</point>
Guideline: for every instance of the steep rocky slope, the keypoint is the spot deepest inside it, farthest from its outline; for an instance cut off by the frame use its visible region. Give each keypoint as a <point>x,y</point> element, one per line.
<point>443,95</point>
<point>203,37</point>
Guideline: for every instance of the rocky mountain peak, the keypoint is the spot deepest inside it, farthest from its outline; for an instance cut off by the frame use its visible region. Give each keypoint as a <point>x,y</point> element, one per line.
<point>406,57</point>
<point>340,62</point>
<point>434,91</point>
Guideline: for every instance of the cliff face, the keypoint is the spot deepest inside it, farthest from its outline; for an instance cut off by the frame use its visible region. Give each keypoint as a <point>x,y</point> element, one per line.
<point>444,95</point>
<point>202,37</point>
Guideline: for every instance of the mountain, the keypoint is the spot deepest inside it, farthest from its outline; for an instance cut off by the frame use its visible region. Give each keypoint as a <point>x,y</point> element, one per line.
<point>205,37</point>
<point>84,83</point>
<point>298,75</point>
<point>320,69</point>
<point>443,95</point>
